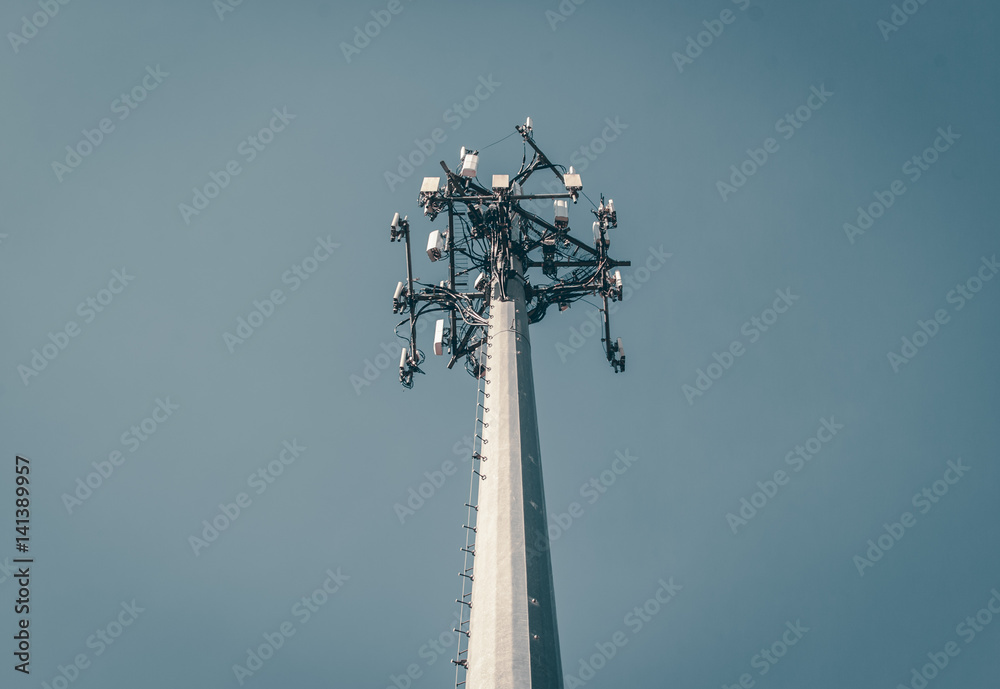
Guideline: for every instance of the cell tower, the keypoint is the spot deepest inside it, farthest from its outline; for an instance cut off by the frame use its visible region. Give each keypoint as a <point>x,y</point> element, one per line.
<point>508,637</point>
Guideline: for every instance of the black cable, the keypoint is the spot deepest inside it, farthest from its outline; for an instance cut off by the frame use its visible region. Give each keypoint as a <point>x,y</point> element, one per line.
<point>499,140</point>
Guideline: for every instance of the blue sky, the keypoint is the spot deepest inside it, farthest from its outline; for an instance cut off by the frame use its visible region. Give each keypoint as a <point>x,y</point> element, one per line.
<point>753,149</point>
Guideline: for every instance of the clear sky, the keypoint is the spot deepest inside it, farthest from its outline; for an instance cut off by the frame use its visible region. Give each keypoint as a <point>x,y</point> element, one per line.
<point>800,186</point>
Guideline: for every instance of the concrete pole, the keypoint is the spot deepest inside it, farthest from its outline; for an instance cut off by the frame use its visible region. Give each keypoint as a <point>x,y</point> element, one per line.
<point>513,637</point>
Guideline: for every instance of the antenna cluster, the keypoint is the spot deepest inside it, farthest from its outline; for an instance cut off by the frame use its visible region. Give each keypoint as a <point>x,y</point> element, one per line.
<point>490,235</point>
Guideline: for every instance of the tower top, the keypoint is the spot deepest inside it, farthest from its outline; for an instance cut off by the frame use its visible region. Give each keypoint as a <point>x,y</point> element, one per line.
<point>488,229</point>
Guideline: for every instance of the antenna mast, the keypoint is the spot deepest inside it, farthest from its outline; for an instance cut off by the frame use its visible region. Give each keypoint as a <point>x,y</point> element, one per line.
<point>508,634</point>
